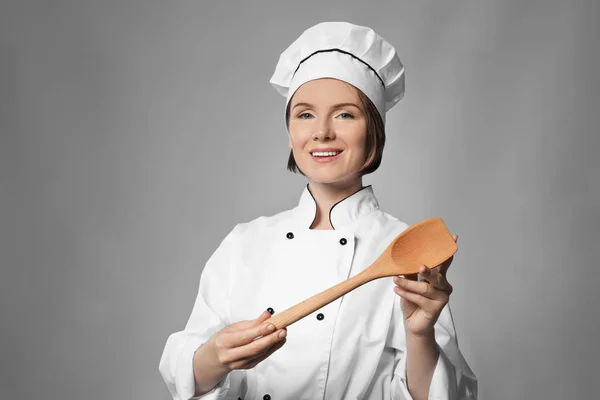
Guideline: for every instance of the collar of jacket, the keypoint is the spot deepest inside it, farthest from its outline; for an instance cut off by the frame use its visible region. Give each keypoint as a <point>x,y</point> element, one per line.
<point>342,213</point>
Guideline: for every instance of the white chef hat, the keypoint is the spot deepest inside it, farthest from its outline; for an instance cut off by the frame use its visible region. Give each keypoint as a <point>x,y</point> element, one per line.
<point>352,53</point>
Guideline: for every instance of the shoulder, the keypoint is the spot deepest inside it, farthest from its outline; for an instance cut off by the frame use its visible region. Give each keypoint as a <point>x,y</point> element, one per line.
<point>261,224</point>
<point>386,222</point>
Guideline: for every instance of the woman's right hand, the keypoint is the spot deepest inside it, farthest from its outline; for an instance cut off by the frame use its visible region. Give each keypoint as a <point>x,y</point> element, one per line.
<point>244,344</point>
<point>241,345</point>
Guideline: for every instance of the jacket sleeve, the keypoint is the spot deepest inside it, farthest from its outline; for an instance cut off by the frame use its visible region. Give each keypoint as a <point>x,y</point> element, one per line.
<point>210,313</point>
<point>452,378</point>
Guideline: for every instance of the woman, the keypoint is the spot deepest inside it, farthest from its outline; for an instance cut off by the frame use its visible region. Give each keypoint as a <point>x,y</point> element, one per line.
<point>388,339</point>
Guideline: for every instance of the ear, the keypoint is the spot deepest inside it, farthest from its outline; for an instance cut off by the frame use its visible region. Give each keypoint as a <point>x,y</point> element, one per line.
<point>290,141</point>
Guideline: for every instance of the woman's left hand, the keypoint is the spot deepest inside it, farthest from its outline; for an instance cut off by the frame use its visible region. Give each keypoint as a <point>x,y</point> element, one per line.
<point>423,301</point>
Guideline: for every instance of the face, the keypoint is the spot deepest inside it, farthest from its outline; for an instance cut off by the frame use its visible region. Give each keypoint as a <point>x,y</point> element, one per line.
<point>327,115</point>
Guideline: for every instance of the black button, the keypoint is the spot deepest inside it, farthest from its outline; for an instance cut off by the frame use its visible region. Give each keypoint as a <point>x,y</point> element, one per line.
<point>320,316</point>
<point>343,241</point>
<point>266,397</point>
<point>290,235</point>
<point>239,398</point>
<point>270,310</point>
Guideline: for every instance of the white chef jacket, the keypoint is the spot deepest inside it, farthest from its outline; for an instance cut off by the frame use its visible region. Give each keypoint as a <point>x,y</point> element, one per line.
<point>352,348</point>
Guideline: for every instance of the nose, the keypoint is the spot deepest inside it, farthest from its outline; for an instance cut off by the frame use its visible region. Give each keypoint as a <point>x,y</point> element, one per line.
<point>323,130</point>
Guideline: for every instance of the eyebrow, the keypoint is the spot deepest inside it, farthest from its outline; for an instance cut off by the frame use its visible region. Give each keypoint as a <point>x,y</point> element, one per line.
<point>339,105</point>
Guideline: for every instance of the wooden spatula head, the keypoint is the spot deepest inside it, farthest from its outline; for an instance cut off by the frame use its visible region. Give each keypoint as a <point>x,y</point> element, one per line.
<point>426,243</point>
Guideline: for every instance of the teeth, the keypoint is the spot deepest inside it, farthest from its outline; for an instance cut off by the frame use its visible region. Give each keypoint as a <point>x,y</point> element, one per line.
<point>325,153</point>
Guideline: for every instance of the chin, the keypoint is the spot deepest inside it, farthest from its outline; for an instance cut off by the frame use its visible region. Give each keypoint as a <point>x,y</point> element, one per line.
<point>330,174</point>
<point>330,178</point>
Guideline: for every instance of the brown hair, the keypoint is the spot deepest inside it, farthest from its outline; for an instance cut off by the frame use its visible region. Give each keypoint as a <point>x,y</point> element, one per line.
<point>375,137</point>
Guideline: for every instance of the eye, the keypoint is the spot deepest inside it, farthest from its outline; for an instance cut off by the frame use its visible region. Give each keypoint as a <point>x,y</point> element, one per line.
<point>349,115</point>
<point>300,116</point>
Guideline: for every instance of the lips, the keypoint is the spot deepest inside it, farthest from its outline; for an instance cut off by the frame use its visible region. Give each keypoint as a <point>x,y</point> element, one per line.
<point>326,159</point>
<point>325,149</point>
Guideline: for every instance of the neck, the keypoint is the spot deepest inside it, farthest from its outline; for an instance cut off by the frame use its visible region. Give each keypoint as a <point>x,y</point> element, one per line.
<point>328,194</point>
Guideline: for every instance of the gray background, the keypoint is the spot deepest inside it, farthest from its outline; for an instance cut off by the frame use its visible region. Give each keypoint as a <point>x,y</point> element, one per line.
<point>136,134</point>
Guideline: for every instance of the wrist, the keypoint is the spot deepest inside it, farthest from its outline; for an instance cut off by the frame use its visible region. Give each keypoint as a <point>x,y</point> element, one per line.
<point>425,336</point>
<point>208,370</point>
<point>419,343</point>
<point>207,353</point>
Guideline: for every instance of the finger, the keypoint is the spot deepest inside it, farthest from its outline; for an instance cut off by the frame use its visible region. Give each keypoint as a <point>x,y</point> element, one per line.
<point>441,283</point>
<point>435,278</point>
<point>411,285</point>
<point>265,315</point>
<point>240,356</point>
<point>430,274</point>
<point>254,333</point>
<point>422,288</point>
<point>256,347</point>
<point>248,323</point>
<point>425,273</point>
<point>251,362</point>
<point>431,307</point>
<point>254,361</point>
<point>446,264</point>
<point>411,277</point>
<point>247,333</point>
<point>443,267</point>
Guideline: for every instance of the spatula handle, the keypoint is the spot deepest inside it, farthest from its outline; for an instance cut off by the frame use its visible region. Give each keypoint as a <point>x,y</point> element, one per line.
<point>312,304</point>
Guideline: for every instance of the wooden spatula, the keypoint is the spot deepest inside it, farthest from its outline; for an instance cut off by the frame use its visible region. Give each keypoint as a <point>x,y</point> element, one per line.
<point>426,243</point>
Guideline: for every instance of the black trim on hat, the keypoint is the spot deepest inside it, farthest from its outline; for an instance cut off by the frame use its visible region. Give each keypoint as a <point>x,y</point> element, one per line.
<point>341,51</point>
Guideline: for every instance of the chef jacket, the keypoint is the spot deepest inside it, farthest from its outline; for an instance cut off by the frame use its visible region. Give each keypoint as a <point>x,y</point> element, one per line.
<point>352,348</point>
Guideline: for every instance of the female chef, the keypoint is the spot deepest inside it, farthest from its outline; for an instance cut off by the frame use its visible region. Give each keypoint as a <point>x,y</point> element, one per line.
<point>388,339</point>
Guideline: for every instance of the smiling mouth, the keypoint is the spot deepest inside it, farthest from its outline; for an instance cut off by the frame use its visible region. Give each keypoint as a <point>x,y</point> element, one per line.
<point>325,154</point>
<point>325,157</point>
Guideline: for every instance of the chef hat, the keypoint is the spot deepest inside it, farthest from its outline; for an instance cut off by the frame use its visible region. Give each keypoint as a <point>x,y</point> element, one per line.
<point>352,53</point>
